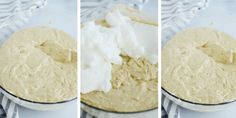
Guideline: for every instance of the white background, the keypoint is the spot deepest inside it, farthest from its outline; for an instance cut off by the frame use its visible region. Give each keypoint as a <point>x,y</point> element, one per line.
<point>59,14</point>
<point>221,15</point>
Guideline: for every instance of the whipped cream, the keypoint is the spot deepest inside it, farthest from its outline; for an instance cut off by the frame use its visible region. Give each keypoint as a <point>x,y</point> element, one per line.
<point>99,51</point>
<point>136,39</point>
<point>102,47</point>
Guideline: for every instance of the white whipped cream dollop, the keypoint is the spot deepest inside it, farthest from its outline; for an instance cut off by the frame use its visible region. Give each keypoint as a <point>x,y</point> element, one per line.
<point>99,50</point>
<point>102,47</point>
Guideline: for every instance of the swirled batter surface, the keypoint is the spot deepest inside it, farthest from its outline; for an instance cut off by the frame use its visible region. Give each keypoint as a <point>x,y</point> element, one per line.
<point>199,65</point>
<point>39,64</point>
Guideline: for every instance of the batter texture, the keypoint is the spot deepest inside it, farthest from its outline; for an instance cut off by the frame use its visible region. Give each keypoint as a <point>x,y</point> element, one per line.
<point>134,80</point>
<point>134,88</point>
<point>199,65</point>
<point>39,64</point>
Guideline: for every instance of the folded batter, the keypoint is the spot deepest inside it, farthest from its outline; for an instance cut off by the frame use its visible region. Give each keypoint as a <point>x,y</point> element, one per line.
<point>39,64</point>
<point>134,88</point>
<point>199,65</point>
<point>119,64</point>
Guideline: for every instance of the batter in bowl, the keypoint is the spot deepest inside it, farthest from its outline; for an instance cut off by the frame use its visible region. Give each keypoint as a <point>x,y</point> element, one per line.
<point>199,65</point>
<point>134,88</point>
<point>119,64</point>
<point>39,64</point>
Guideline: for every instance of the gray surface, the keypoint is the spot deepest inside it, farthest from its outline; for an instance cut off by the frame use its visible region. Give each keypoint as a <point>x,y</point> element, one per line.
<point>69,111</point>
<point>221,14</point>
<point>60,14</point>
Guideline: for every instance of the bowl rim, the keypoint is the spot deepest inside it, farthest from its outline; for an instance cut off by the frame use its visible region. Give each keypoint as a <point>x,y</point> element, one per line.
<point>117,112</point>
<point>196,103</point>
<point>35,102</point>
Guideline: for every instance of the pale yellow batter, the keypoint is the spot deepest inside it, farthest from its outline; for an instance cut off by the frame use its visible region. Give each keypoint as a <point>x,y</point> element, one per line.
<point>134,88</point>
<point>39,64</point>
<point>199,65</point>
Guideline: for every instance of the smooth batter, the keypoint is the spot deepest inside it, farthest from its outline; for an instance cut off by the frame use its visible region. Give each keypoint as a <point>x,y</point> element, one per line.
<point>199,65</point>
<point>39,64</point>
